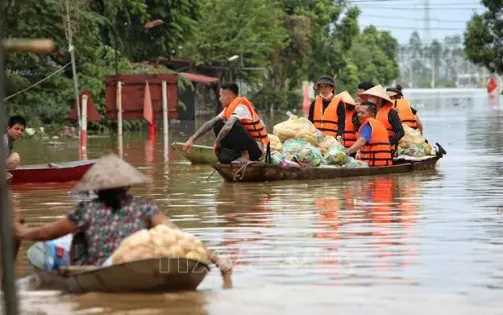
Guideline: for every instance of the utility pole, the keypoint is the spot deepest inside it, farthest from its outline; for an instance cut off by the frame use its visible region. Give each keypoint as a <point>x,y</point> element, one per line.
<point>71,48</point>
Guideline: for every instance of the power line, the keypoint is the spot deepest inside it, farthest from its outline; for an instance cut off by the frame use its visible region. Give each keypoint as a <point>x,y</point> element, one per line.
<point>412,19</point>
<point>398,27</point>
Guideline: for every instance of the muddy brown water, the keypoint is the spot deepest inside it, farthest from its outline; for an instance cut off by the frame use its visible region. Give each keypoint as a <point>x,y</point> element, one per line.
<point>428,243</point>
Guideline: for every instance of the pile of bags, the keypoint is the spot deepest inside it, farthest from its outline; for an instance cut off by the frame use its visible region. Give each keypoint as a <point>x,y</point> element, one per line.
<point>296,142</point>
<point>413,144</point>
<point>161,241</point>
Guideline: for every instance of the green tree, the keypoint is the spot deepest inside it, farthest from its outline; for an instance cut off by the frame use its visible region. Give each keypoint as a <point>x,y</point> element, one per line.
<point>374,53</point>
<point>483,37</point>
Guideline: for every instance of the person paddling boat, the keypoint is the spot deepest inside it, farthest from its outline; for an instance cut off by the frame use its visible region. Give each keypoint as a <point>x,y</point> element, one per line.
<point>241,135</point>
<point>101,224</point>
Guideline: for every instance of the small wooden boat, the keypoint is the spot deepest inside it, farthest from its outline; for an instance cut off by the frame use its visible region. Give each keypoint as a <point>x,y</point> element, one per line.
<point>200,154</point>
<point>149,275</point>
<point>50,173</point>
<point>262,172</point>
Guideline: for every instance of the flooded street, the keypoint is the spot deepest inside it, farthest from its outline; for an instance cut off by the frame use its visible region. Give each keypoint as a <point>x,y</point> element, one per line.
<point>428,243</point>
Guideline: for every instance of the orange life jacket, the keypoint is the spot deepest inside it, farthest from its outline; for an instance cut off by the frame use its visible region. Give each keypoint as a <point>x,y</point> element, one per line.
<point>254,126</point>
<point>328,121</point>
<point>378,151</point>
<point>349,129</point>
<point>405,113</point>
<point>382,116</point>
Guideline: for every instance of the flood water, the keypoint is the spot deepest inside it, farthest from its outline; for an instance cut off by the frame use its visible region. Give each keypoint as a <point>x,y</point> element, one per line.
<point>429,243</point>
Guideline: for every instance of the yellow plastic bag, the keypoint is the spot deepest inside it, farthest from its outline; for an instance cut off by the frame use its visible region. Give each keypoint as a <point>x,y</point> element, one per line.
<point>296,127</point>
<point>276,144</point>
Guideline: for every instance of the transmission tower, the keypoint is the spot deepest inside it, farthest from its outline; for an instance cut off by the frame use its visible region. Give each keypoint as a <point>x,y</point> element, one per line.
<point>427,35</point>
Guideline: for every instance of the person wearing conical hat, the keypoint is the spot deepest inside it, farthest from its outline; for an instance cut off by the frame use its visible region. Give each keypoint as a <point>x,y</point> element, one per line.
<point>386,113</point>
<point>372,145</point>
<point>349,128</point>
<point>100,225</point>
<point>327,112</point>
<point>408,115</point>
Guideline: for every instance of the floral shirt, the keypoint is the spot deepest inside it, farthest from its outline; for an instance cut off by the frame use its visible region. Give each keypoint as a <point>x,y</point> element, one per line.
<point>100,231</point>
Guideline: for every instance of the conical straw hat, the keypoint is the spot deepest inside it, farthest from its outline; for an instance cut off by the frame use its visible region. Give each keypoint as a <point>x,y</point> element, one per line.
<point>110,171</point>
<point>346,98</point>
<point>391,93</point>
<point>378,91</point>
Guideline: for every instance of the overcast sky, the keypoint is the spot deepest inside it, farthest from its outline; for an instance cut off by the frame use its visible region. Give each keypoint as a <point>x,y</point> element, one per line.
<point>402,17</point>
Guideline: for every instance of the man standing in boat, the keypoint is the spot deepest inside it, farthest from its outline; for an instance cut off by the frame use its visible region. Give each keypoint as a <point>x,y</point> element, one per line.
<point>15,129</point>
<point>372,138</point>
<point>327,112</point>
<point>240,133</point>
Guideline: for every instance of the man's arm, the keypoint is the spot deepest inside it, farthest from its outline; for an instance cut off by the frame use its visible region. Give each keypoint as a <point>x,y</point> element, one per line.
<point>226,128</point>
<point>396,123</point>
<point>205,128</point>
<point>311,112</point>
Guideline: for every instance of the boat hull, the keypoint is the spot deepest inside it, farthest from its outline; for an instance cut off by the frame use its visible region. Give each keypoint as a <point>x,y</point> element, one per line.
<point>200,154</point>
<point>149,275</point>
<point>262,172</point>
<point>45,173</point>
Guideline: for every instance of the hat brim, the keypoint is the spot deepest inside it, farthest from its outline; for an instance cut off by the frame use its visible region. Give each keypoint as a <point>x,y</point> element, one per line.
<point>347,98</point>
<point>322,81</point>
<point>378,91</point>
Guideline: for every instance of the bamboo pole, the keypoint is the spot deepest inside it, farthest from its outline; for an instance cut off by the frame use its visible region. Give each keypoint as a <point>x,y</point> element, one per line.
<point>119,117</point>
<point>39,46</point>
<point>71,48</point>
<point>9,289</point>
<point>165,127</point>
<point>83,131</point>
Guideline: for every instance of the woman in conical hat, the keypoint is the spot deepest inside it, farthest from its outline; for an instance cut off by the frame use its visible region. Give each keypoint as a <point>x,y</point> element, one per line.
<point>100,225</point>
<point>386,113</point>
<point>349,128</point>
<point>327,112</point>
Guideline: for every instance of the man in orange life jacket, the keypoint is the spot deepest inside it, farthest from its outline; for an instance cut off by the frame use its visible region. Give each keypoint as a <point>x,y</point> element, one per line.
<point>408,114</point>
<point>386,114</point>
<point>240,133</point>
<point>373,142</point>
<point>327,112</point>
<point>349,128</point>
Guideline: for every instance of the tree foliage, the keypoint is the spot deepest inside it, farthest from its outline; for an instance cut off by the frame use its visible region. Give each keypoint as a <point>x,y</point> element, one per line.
<point>280,44</point>
<point>483,37</point>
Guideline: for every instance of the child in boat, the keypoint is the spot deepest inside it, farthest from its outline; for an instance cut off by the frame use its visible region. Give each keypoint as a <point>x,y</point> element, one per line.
<point>100,225</point>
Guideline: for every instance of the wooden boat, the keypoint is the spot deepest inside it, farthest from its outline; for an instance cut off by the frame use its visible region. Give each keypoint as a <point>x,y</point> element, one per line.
<point>262,172</point>
<point>200,154</point>
<point>149,275</point>
<point>50,173</point>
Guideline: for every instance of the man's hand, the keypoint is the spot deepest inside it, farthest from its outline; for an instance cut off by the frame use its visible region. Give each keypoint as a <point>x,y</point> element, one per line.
<point>187,147</point>
<point>216,148</point>
<point>224,264</point>
<point>341,141</point>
